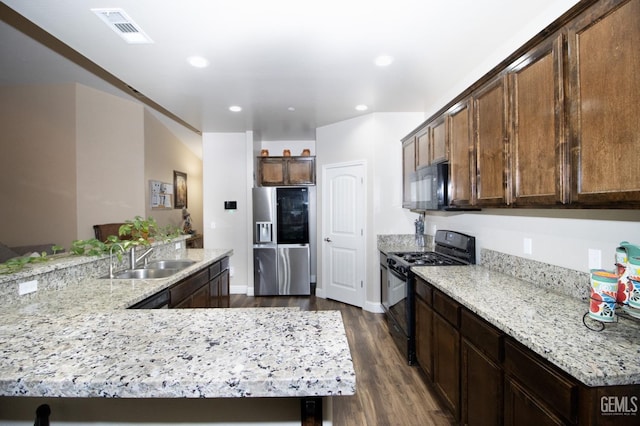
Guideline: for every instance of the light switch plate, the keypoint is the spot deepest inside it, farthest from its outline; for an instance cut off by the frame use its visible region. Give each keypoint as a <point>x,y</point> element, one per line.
<point>595,259</point>
<point>527,246</point>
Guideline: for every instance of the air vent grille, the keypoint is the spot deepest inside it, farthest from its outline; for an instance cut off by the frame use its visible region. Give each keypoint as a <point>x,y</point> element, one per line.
<point>123,25</point>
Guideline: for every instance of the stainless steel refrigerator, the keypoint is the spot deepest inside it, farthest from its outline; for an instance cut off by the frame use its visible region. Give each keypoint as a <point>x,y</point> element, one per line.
<point>281,241</point>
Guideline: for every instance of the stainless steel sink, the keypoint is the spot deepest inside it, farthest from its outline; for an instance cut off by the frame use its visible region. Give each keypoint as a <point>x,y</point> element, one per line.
<point>144,274</point>
<point>156,269</point>
<point>170,264</point>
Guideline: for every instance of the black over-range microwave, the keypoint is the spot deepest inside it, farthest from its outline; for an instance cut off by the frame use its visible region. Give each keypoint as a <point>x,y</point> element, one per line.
<point>429,188</point>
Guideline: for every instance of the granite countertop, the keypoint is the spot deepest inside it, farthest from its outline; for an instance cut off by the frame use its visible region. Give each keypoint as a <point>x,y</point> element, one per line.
<point>550,324</point>
<point>81,341</point>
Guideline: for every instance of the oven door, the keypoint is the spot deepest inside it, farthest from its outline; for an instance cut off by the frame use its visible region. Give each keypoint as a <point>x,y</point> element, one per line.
<point>399,313</point>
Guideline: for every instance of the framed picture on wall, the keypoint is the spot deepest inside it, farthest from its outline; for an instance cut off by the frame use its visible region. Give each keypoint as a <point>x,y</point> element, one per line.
<point>179,190</point>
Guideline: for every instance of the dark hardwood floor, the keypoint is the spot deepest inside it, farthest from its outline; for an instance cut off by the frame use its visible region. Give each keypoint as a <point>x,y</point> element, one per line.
<point>389,391</point>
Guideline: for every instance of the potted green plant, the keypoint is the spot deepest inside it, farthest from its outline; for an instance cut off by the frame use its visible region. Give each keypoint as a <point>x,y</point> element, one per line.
<point>139,229</point>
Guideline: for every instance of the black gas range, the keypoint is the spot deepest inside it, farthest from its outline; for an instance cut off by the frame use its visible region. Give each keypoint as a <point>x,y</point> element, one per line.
<point>398,293</point>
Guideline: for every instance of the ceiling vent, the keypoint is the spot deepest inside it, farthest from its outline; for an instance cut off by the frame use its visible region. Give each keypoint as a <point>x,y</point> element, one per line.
<point>124,26</point>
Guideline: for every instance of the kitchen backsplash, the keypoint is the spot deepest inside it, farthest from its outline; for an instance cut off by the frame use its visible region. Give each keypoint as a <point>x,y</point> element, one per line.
<point>562,280</point>
<point>566,281</point>
<point>389,243</point>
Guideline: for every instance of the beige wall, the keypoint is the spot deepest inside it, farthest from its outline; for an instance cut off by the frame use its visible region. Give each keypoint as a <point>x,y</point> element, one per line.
<point>163,154</point>
<point>37,165</point>
<point>110,159</point>
<point>73,156</point>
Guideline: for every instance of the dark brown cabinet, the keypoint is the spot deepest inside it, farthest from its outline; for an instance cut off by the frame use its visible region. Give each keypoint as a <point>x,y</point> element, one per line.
<point>604,95</point>
<point>522,409</point>
<point>446,350</point>
<point>487,378</point>
<point>491,142</point>
<point>219,284</point>
<point>424,328</point>
<point>423,148</point>
<point>190,292</point>
<point>208,288</point>
<point>462,164</point>
<point>556,123</point>
<point>195,241</point>
<point>438,137</point>
<point>538,146</point>
<point>283,171</point>
<point>481,372</point>
<point>408,171</point>
<point>533,384</point>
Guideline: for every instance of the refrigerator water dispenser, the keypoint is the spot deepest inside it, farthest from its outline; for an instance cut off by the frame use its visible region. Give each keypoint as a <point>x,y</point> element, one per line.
<point>264,232</point>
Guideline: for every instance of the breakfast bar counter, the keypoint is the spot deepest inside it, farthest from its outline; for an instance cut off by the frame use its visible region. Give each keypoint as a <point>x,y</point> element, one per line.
<point>80,341</point>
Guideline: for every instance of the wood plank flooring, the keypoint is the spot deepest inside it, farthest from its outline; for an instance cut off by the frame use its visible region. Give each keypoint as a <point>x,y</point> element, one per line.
<point>389,392</point>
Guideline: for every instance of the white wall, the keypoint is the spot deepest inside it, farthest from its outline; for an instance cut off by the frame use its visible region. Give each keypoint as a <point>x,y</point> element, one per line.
<point>561,238</point>
<point>226,159</point>
<point>374,139</point>
<point>527,31</point>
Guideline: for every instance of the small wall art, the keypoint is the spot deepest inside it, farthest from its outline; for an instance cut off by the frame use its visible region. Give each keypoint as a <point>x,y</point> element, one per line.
<point>179,190</point>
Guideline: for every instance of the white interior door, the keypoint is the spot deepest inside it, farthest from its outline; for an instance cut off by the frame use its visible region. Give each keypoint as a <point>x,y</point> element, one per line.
<point>343,241</point>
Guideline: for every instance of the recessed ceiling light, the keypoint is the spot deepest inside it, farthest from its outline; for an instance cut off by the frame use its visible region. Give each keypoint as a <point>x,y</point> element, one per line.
<point>361,107</point>
<point>235,108</point>
<point>198,61</point>
<point>384,60</point>
<point>291,109</point>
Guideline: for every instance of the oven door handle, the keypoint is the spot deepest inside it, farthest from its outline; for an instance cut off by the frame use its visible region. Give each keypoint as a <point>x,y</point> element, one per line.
<point>398,274</point>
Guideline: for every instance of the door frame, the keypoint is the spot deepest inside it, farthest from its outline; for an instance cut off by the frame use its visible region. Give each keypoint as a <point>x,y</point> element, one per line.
<point>322,291</point>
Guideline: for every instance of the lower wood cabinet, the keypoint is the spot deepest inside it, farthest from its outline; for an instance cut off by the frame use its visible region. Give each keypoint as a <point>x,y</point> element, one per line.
<point>481,371</point>
<point>446,350</point>
<point>446,363</point>
<point>481,388</point>
<point>191,292</point>
<point>208,288</point>
<point>543,385</point>
<point>485,377</point>
<point>523,409</point>
<point>219,284</point>
<point>424,328</point>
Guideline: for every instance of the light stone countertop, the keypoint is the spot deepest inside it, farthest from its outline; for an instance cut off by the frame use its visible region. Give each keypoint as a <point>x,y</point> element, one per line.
<point>81,341</point>
<point>550,324</point>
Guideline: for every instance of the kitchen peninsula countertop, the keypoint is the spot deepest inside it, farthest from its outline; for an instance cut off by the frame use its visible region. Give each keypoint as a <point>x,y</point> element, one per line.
<point>548,323</point>
<point>81,341</point>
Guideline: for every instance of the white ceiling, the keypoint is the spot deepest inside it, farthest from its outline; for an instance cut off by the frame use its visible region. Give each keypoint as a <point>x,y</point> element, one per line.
<point>268,55</point>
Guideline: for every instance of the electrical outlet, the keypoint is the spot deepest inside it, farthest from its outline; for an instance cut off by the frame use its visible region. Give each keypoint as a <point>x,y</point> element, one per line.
<point>178,245</point>
<point>27,287</point>
<point>527,246</point>
<point>231,271</point>
<point>213,225</point>
<point>595,259</point>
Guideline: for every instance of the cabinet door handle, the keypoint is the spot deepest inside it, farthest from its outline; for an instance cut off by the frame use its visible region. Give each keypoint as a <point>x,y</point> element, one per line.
<point>327,239</point>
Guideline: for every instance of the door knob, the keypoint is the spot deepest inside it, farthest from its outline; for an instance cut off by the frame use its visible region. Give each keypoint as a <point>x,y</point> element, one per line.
<point>328,239</point>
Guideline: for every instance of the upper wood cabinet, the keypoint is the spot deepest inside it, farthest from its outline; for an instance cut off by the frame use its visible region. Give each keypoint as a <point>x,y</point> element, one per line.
<point>491,142</point>
<point>462,165</point>
<point>438,140</point>
<point>408,171</point>
<point>604,94</point>
<point>423,150</point>
<point>538,146</point>
<point>283,171</point>
<point>556,124</point>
